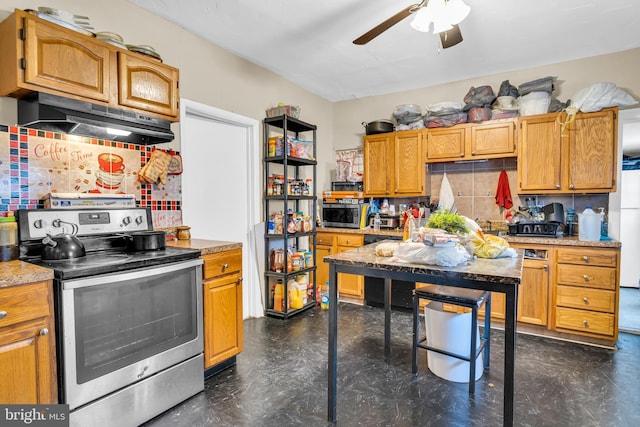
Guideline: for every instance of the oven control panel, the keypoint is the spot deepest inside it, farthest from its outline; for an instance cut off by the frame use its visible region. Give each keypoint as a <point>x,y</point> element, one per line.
<point>40,222</point>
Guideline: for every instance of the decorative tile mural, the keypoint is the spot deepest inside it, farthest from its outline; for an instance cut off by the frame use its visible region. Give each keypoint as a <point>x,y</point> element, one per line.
<point>34,163</point>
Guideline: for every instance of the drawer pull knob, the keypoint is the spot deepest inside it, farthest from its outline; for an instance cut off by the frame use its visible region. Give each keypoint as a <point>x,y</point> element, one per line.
<point>44,331</point>
<point>585,258</point>
<point>225,266</point>
<point>3,314</point>
<point>585,323</point>
<point>586,278</point>
<point>586,300</point>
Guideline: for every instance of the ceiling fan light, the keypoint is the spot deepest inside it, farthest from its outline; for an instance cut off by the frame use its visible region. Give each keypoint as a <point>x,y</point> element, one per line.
<point>440,26</point>
<point>456,11</point>
<point>422,20</point>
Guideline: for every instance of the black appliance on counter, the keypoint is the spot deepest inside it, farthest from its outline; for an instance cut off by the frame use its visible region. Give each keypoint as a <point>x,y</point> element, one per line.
<point>347,186</point>
<point>551,226</point>
<point>401,291</point>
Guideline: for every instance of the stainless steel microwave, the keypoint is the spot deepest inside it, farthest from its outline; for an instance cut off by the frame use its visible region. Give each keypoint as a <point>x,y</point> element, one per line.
<point>345,215</point>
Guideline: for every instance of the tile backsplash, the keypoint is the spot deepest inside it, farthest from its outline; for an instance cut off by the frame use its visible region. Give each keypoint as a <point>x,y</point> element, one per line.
<point>474,186</point>
<point>34,163</point>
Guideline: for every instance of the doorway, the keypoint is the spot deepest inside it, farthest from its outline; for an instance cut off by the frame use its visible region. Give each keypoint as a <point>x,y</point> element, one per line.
<point>220,185</point>
<point>625,205</point>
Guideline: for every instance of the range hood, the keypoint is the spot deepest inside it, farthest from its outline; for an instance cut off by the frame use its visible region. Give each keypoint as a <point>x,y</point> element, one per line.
<point>58,114</point>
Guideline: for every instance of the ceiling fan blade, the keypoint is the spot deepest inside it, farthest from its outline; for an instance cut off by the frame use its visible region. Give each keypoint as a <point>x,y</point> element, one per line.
<point>384,26</point>
<point>451,37</point>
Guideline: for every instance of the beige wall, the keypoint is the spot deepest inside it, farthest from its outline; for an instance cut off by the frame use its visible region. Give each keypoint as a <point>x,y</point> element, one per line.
<point>620,68</point>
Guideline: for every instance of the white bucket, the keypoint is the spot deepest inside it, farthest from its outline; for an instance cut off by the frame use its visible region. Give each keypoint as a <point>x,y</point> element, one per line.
<point>534,103</point>
<point>450,332</point>
<point>589,227</point>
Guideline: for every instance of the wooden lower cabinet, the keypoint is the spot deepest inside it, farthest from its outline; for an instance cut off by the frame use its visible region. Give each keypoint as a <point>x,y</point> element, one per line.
<point>533,293</point>
<point>349,285</point>
<point>587,292</point>
<point>27,345</point>
<point>222,299</point>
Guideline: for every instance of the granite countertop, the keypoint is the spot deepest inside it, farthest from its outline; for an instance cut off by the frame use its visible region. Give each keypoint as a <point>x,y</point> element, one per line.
<point>206,247</point>
<point>499,270</point>
<point>558,241</point>
<point>13,273</point>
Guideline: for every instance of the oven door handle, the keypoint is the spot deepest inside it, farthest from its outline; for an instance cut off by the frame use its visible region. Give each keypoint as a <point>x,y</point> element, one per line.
<point>132,274</point>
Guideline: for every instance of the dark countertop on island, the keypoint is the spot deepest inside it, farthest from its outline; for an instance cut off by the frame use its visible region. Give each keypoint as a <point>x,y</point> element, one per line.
<point>558,241</point>
<point>499,270</point>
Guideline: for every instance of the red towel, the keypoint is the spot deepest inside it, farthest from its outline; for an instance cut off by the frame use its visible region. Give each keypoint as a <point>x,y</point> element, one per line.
<point>503,193</point>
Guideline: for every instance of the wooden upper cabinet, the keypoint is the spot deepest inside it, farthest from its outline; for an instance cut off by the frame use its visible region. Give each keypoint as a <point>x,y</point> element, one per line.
<point>445,144</point>
<point>66,62</point>
<point>377,157</point>
<point>582,158</point>
<point>408,165</point>
<point>394,164</point>
<point>539,163</point>
<point>592,152</point>
<point>40,56</point>
<point>493,139</point>
<point>147,84</point>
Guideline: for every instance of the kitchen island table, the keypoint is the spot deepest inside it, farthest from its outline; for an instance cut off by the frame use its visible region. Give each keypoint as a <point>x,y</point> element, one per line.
<point>496,275</point>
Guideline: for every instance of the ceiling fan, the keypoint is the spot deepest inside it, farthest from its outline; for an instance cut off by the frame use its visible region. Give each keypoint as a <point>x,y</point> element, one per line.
<point>444,14</point>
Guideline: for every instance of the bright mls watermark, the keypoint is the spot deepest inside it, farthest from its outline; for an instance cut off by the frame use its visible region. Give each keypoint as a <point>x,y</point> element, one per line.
<point>34,415</point>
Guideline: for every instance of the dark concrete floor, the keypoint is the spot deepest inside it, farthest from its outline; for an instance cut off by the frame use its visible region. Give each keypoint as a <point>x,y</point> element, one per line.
<point>281,380</point>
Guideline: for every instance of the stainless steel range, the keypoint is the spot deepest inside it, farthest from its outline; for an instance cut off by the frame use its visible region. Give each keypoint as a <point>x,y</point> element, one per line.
<point>128,323</point>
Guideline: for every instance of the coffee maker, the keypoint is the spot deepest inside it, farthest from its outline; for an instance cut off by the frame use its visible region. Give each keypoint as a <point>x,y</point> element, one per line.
<point>554,212</point>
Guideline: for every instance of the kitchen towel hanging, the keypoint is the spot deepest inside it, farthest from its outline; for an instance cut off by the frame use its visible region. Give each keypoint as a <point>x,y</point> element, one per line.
<point>447,201</point>
<point>503,193</point>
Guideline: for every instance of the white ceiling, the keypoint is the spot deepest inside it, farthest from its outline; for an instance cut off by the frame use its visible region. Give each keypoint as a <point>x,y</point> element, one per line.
<point>309,42</point>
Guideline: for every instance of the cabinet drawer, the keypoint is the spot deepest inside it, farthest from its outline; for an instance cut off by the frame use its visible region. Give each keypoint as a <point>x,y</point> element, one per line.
<point>325,239</point>
<point>222,263</point>
<point>585,321</point>
<point>21,303</point>
<point>602,258</point>
<point>592,277</point>
<point>352,240</point>
<point>587,299</point>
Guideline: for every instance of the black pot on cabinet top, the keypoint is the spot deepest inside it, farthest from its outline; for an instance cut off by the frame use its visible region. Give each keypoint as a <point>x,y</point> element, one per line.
<point>378,126</point>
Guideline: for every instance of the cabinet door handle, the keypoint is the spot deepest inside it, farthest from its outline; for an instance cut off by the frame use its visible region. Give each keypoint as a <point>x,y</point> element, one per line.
<point>586,300</point>
<point>225,266</point>
<point>585,323</point>
<point>240,279</point>
<point>586,278</point>
<point>557,186</point>
<point>44,331</point>
<point>585,258</point>
<point>3,314</point>
<point>461,154</point>
<point>545,267</point>
<point>473,153</point>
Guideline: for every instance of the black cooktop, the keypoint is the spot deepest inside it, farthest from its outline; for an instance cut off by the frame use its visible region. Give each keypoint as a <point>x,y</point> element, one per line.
<point>111,262</point>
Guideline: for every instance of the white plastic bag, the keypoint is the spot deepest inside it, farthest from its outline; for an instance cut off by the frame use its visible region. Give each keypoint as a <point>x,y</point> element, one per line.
<point>419,253</point>
<point>601,95</point>
<point>447,201</point>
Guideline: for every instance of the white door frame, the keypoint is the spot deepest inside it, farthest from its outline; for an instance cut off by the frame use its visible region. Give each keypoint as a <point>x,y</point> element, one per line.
<point>251,272</point>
